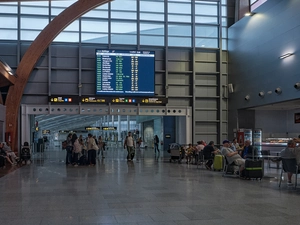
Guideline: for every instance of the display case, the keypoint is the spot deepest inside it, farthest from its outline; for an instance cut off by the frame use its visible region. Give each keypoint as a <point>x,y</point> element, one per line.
<point>277,141</point>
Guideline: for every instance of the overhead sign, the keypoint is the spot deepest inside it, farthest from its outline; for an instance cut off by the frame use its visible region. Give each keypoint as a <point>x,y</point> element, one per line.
<point>62,99</point>
<point>107,100</point>
<point>109,128</point>
<point>86,99</point>
<point>92,128</point>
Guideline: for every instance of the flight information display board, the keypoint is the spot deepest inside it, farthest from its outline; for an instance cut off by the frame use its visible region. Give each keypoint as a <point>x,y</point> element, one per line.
<point>122,72</point>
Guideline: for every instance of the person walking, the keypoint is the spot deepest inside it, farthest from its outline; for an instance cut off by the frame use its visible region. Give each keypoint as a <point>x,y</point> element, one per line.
<point>130,146</point>
<point>156,143</point>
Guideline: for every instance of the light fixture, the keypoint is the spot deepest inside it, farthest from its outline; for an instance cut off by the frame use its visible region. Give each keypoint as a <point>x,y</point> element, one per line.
<point>297,85</point>
<point>247,97</point>
<point>261,94</point>
<point>286,55</point>
<point>249,13</point>
<point>278,91</point>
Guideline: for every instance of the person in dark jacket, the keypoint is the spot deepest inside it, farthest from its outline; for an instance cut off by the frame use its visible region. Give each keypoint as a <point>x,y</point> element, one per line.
<point>209,152</point>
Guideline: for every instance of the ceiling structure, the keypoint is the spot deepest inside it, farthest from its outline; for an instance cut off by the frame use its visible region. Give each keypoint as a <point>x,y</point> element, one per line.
<point>287,105</point>
<point>72,122</point>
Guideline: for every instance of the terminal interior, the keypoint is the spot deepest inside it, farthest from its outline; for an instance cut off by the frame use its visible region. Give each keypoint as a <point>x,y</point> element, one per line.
<point>217,75</point>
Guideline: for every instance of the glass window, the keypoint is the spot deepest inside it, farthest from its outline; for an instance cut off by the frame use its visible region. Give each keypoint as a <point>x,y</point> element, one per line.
<point>204,9</point>
<point>94,26</point>
<point>152,40</point>
<point>152,6</point>
<point>34,23</point>
<point>73,26</point>
<point>29,35</point>
<point>123,15</point>
<point>180,41</point>
<point>179,8</point>
<point>123,39</point>
<point>123,27</point>
<point>94,38</point>
<point>58,6</point>
<point>150,28</point>
<point>67,37</point>
<point>206,31</point>
<point>179,18</point>
<point>207,19</point>
<point>224,32</point>
<point>224,11</point>
<point>8,34</point>
<point>224,44</point>
<point>96,13</point>
<point>180,30</point>
<point>8,8</point>
<point>152,16</point>
<point>9,22</point>
<point>124,5</point>
<point>206,42</point>
<point>35,8</point>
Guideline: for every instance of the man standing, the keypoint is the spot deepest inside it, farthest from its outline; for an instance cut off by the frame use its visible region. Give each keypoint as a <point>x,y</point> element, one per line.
<point>129,144</point>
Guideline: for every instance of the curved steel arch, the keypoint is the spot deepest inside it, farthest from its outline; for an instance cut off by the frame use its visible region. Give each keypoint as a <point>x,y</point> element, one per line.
<point>34,52</point>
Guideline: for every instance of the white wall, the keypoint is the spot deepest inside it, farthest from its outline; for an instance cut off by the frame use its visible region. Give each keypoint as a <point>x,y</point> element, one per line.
<point>277,123</point>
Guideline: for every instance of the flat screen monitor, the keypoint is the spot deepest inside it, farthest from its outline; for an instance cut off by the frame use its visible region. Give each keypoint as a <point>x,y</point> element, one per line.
<point>123,72</point>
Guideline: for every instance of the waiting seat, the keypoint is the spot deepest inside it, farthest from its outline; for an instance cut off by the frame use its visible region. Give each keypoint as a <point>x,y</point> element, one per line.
<point>289,165</point>
<point>228,168</point>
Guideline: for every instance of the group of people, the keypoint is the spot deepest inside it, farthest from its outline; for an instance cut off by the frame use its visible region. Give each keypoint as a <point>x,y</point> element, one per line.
<point>233,151</point>
<point>82,151</point>
<point>6,154</point>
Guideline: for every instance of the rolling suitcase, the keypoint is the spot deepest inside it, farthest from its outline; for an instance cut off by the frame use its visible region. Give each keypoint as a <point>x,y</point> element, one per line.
<point>253,169</point>
<point>218,162</point>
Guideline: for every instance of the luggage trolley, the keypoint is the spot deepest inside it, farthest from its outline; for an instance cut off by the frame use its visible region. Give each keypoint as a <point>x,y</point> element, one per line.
<point>177,152</point>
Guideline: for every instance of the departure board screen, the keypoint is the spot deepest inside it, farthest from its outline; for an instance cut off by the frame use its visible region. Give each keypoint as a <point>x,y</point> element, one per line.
<point>122,72</point>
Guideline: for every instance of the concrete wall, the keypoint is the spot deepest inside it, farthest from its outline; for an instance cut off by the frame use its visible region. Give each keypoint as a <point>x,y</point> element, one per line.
<point>255,45</point>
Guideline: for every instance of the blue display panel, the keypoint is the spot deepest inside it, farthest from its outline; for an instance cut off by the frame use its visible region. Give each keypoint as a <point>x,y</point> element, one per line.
<point>122,72</point>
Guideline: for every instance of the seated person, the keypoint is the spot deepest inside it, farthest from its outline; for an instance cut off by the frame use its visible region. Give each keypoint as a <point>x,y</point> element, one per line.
<point>4,155</point>
<point>199,147</point>
<point>208,152</point>
<point>290,152</point>
<point>235,146</point>
<point>248,150</point>
<point>10,153</point>
<point>25,153</point>
<point>189,152</point>
<point>232,157</point>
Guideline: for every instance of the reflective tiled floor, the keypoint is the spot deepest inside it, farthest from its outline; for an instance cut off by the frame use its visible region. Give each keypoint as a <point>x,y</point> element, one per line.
<point>150,191</point>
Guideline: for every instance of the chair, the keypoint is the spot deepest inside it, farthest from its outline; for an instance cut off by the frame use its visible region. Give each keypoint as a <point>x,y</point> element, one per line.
<point>228,168</point>
<point>201,159</point>
<point>265,154</point>
<point>289,165</point>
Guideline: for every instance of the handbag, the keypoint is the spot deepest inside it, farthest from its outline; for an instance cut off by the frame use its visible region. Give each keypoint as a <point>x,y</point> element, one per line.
<point>95,147</point>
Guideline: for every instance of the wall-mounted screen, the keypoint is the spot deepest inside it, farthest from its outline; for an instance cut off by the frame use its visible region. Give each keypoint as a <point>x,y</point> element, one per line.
<point>123,72</point>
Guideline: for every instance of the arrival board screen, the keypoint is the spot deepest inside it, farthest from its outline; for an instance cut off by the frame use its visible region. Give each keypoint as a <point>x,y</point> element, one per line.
<point>129,73</point>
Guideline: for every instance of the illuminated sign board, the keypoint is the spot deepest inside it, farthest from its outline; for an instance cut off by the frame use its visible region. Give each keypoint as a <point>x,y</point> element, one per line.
<point>86,99</point>
<point>61,99</point>
<point>92,128</point>
<point>158,101</point>
<point>109,128</point>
